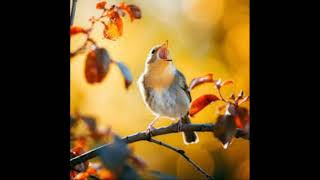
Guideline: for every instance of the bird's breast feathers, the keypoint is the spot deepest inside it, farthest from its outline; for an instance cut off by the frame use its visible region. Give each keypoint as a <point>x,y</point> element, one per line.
<point>169,101</point>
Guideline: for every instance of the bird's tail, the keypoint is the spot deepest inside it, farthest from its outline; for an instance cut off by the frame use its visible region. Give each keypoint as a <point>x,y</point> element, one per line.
<point>189,137</point>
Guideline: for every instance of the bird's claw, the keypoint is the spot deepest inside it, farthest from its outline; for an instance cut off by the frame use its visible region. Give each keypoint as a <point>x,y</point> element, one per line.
<point>149,130</point>
<point>179,124</point>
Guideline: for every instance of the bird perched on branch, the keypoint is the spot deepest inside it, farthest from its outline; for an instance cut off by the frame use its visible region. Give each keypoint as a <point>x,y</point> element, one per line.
<point>164,90</point>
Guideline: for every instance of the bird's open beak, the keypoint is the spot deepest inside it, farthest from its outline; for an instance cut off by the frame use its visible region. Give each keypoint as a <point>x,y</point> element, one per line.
<point>164,52</point>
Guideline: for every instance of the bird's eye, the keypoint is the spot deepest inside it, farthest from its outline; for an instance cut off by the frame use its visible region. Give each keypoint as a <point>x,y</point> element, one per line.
<point>153,51</point>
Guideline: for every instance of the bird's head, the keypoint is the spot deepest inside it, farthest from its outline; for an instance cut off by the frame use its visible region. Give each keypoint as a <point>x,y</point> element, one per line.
<point>159,69</point>
<point>159,55</point>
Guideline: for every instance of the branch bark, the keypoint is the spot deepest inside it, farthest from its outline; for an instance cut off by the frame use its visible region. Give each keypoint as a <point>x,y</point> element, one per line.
<point>140,136</point>
<point>183,154</point>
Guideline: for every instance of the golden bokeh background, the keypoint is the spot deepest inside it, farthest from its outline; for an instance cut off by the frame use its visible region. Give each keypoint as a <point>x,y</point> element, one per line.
<point>204,36</point>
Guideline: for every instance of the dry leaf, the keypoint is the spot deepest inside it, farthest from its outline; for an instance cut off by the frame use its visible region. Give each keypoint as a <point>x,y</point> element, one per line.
<point>226,125</point>
<point>82,176</point>
<point>243,100</point>
<point>97,65</point>
<point>126,74</point>
<point>200,80</point>
<point>225,128</point>
<point>76,30</point>
<point>101,5</point>
<point>226,82</point>
<point>232,97</point>
<point>201,102</point>
<point>114,28</point>
<point>133,10</point>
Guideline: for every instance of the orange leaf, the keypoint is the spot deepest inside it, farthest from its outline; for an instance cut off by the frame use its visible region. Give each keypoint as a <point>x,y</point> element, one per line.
<point>105,174</point>
<point>133,10</point>
<point>200,80</point>
<point>101,5</point>
<point>226,82</point>
<point>82,176</point>
<point>114,28</point>
<point>201,102</point>
<point>97,65</point>
<point>91,171</point>
<point>243,100</point>
<point>75,30</point>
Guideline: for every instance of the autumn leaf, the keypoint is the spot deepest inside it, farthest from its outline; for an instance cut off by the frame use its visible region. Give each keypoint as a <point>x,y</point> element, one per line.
<point>162,176</point>
<point>138,162</point>
<point>242,117</point>
<point>201,102</point>
<point>81,176</point>
<point>101,5</point>
<point>126,74</point>
<point>200,80</point>
<point>97,65</point>
<point>90,122</point>
<point>105,174</point>
<point>113,29</point>
<point>115,155</point>
<point>133,11</point>
<point>225,127</point>
<point>240,95</point>
<point>226,82</point>
<point>72,121</point>
<point>129,173</point>
<point>76,30</point>
<point>232,97</point>
<point>243,100</point>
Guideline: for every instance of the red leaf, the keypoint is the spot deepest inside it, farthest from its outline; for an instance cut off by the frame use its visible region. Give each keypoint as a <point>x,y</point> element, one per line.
<point>200,80</point>
<point>242,117</point>
<point>133,10</point>
<point>75,30</point>
<point>201,102</point>
<point>126,74</point>
<point>243,100</point>
<point>101,5</point>
<point>97,65</point>
<point>237,120</point>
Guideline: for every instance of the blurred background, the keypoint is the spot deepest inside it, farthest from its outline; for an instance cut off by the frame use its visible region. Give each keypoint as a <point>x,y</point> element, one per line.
<point>204,36</point>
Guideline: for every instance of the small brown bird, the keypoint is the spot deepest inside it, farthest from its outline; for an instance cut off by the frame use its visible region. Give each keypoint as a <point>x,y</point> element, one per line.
<point>165,91</point>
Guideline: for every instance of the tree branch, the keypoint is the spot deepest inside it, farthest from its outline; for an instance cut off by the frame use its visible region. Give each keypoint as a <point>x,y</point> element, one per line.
<point>73,11</point>
<point>183,154</point>
<point>145,136</point>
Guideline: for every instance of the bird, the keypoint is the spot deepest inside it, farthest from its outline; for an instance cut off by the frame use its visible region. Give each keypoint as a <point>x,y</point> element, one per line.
<point>164,90</point>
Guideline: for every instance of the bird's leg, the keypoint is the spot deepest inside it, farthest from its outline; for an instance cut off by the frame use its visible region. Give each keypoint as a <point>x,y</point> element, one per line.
<point>150,126</point>
<point>180,124</point>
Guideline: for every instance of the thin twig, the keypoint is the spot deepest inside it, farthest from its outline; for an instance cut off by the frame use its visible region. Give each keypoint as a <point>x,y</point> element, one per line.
<point>73,11</point>
<point>83,47</point>
<point>145,136</point>
<point>183,154</point>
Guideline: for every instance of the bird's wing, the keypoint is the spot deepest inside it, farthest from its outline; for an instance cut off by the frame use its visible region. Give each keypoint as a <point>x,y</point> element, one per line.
<point>181,80</point>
